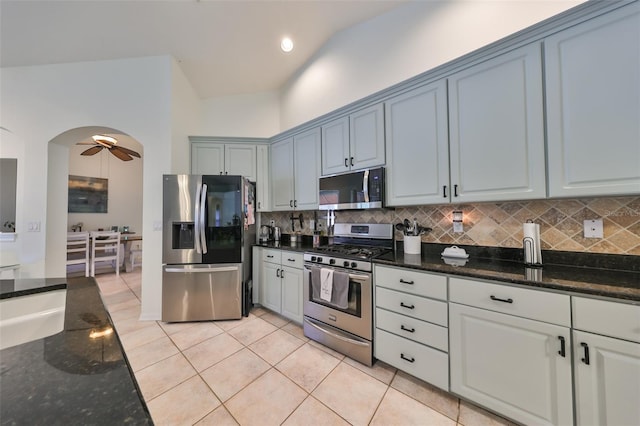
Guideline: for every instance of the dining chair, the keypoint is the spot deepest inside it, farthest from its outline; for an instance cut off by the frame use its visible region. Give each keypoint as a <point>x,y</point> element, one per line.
<point>78,250</point>
<point>105,247</point>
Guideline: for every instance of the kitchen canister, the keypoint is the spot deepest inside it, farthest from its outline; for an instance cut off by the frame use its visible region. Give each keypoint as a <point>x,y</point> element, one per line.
<point>412,244</point>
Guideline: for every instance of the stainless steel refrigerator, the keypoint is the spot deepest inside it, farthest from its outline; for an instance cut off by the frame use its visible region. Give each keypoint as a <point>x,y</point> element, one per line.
<point>208,231</point>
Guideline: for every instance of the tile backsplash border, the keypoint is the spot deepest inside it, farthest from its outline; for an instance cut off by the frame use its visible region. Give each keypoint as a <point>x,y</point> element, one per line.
<point>500,224</point>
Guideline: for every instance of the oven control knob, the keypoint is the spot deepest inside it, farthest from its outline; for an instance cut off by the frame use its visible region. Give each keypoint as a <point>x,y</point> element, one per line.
<point>319,260</point>
<point>354,265</point>
<point>332,261</point>
<point>346,264</point>
<point>313,258</point>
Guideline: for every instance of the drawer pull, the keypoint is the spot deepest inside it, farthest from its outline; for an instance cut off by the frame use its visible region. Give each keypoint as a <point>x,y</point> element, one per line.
<point>410,330</point>
<point>291,260</point>
<point>561,352</point>
<point>497,299</point>
<point>270,256</point>
<point>407,306</point>
<point>586,353</point>
<point>407,358</point>
<point>403,281</point>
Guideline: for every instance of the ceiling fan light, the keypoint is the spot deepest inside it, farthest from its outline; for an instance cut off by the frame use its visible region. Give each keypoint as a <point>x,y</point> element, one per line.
<point>104,138</point>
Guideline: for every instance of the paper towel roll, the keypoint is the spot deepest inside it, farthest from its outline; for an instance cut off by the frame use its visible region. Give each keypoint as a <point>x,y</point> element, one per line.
<point>531,243</point>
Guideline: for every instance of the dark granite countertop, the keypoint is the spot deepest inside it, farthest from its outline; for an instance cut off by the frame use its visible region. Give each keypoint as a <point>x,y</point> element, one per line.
<point>25,286</point>
<point>606,275</point>
<point>602,275</point>
<point>70,377</point>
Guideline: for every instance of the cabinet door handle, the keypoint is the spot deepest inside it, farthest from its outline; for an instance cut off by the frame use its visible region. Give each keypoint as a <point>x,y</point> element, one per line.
<point>455,190</point>
<point>410,330</point>
<point>403,281</point>
<point>351,161</point>
<point>281,273</point>
<point>586,353</point>
<point>407,306</point>
<point>295,203</point>
<point>290,203</point>
<point>259,204</point>
<point>278,272</point>
<point>561,352</point>
<point>407,358</point>
<point>221,173</point>
<point>346,162</point>
<point>497,299</point>
<point>444,191</point>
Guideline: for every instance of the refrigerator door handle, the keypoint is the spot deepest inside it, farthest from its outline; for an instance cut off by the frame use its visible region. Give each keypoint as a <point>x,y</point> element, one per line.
<point>203,201</point>
<point>197,219</point>
<point>200,270</point>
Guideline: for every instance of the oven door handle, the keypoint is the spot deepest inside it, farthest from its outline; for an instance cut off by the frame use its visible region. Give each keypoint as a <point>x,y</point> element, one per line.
<point>337,336</point>
<point>352,276</point>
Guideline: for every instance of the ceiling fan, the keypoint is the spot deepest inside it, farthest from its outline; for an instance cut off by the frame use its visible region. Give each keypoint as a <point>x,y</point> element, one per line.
<point>101,142</point>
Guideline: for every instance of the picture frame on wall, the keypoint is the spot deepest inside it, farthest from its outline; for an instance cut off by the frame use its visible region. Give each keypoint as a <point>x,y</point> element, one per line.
<point>114,228</point>
<point>88,194</point>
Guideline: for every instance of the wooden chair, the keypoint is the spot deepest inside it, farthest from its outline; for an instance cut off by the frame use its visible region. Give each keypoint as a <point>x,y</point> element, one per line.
<point>105,246</point>
<point>78,250</point>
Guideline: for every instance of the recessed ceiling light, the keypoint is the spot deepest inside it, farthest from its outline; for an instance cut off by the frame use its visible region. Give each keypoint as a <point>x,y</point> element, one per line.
<point>286,45</point>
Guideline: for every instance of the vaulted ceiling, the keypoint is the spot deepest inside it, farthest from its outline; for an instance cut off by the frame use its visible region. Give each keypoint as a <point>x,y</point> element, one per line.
<point>223,47</point>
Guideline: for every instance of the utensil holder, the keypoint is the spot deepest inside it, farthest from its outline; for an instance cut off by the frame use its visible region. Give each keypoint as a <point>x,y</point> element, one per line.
<point>412,244</point>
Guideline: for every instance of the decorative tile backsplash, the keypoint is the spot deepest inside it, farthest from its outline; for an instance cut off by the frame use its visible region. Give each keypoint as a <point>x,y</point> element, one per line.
<point>500,224</point>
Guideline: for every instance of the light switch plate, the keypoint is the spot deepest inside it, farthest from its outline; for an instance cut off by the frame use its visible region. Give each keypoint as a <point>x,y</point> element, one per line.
<point>593,228</point>
<point>458,227</point>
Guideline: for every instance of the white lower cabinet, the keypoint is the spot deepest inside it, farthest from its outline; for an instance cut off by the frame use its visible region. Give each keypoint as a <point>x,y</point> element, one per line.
<point>411,323</point>
<point>513,365</point>
<point>606,367</point>
<point>281,283</point>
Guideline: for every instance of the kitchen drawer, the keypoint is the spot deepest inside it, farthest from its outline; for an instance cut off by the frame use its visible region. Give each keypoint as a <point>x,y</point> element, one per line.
<point>292,259</point>
<point>418,307</point>
<point>410,281</point>
<point>621,320</point>
<point>272,255</point>
<point>419,331</point>
<point>421,361</point>
<point>534,304</point>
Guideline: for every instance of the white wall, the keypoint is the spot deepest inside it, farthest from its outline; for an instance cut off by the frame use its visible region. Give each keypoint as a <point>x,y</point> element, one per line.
<point>401,44</point>
<point>39,103</point>
<point>186,115</point>
<point>255,115</point>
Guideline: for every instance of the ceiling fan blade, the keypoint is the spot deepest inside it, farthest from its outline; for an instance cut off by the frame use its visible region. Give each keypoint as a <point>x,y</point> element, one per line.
<point>121,155</point>
<point>127,150</point>
<point>91,151</point>
<point>86,143</point>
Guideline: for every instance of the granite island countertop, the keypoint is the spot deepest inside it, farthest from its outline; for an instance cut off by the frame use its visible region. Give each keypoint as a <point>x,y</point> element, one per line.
<point>77,376</point>
<point>25,286</point>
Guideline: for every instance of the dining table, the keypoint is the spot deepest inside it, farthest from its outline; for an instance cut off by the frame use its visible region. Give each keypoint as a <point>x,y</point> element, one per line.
<point>127,239</point>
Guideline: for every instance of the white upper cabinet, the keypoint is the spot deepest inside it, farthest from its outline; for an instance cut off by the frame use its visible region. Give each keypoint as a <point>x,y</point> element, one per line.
<point>417,146</point>
<point>282,174</point>
<point>262,181</point>
<point>220,159</point>
<point>306,169</point>
<point>354,142</point>
<point>207,159</point>
<point>335,146</point>
<point>240,160</point>
<point>295,169</point>
<point>366,137</point>
<point>497,130</point>
<point>593,106</point>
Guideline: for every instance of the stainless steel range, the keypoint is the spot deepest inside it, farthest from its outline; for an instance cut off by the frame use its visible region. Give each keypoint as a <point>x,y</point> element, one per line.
<point>338,288</point>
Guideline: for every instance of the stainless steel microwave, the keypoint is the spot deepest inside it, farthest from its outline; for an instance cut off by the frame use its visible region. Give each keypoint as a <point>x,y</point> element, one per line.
<point>363,189</point>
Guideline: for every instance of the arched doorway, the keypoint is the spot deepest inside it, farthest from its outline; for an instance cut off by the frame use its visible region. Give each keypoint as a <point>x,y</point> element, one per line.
<point>124,188</point>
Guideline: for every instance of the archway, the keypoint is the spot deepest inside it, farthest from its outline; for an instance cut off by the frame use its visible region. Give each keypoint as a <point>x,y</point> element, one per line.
<point>124,196</point>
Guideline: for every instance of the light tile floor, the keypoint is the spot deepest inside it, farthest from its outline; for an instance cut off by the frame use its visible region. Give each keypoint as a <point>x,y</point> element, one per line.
<point>262,370</point>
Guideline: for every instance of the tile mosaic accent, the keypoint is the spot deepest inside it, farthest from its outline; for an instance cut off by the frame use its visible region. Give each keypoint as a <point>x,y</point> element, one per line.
<point>500,224</point>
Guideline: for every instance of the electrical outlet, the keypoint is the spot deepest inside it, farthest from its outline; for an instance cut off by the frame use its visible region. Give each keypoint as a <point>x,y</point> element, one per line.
<point>272,223</point>
<point>593,228</point>
<point>458,227</point>
<point>33,226</point>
